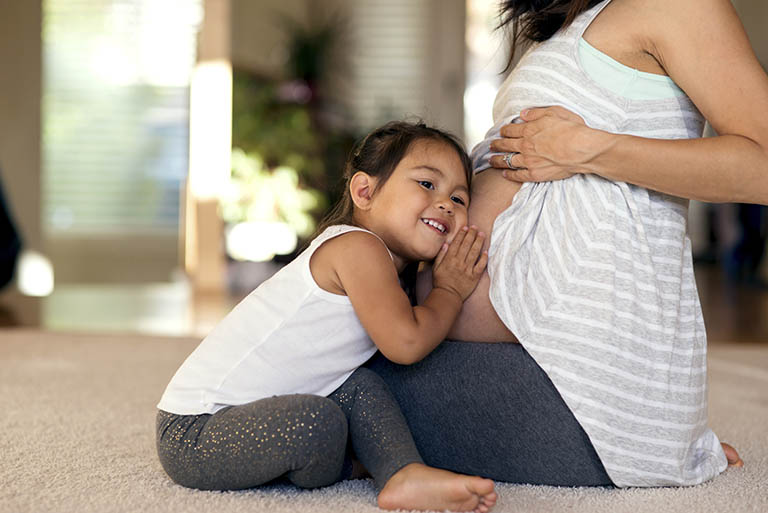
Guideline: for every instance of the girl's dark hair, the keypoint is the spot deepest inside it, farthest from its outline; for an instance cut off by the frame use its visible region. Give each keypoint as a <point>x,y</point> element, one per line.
<point>379,153</point>
<point>529,21</point>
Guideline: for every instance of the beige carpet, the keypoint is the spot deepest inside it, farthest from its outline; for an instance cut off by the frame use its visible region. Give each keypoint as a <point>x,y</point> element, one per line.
<point>77,418</point>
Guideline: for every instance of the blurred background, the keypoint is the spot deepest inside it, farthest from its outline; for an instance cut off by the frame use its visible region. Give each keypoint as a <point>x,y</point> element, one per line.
<point>160,158</point>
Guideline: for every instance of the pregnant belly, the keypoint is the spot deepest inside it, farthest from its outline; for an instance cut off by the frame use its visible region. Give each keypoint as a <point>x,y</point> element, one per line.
<point>478,322</point>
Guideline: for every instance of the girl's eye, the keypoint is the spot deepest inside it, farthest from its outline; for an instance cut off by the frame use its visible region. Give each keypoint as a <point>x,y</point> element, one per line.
<point>426,184</point>
<point>458,200</point>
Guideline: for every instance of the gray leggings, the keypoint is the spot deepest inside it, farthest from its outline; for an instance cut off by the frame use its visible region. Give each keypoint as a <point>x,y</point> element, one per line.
<point>490,410</point>
<point>303,438</point>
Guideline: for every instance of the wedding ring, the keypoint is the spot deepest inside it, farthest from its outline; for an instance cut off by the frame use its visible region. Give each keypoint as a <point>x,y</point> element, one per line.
<point>508,159</point>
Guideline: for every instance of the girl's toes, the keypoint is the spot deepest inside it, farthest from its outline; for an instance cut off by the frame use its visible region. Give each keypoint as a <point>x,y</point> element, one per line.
<point>489,500</point>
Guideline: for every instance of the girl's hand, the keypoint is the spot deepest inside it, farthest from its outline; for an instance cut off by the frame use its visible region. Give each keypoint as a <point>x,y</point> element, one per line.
<point>458,267</point>
<point>551,144</point>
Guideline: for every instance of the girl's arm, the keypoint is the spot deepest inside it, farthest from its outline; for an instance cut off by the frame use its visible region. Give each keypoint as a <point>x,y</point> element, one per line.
<point>703,47</point>
<point>403,333</point>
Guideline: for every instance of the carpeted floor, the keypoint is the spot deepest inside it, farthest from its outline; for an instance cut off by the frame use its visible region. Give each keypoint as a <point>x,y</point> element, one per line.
<point>77,419</point>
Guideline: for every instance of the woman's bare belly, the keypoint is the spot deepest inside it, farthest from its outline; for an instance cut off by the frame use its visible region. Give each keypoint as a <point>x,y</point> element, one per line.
<point>477,321</point>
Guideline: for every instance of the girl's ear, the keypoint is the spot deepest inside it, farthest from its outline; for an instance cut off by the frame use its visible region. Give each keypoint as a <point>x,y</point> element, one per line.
<point>361,187</point>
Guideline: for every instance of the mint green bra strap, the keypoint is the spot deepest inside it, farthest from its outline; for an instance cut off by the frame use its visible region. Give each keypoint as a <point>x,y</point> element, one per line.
<point>623,80</point>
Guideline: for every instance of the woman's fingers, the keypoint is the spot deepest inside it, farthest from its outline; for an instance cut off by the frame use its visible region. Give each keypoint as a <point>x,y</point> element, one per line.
<point>535,113</point>
<point>514,130</point>
<point>519,176</point>
<point>500,162</point>
<point>537,149</point>
<point>507,145</point>
<point>529,116</point>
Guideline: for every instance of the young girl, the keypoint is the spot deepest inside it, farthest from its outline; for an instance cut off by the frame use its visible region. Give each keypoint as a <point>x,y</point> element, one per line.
<point>276,389</point>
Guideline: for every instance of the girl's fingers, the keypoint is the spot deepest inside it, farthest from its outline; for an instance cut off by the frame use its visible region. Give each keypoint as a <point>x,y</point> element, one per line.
<point>457,241</point>
<point>477,247</point>
<point>481,263</point>
<point>441,254</point>
<point>466,244</point>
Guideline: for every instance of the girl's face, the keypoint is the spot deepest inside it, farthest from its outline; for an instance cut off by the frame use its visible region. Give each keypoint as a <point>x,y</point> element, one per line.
<point>423,204</point>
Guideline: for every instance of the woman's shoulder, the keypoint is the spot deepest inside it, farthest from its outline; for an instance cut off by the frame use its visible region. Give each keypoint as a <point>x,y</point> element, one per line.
<point>665,18</point>
<point>650,34</point>
<point>649,16</point>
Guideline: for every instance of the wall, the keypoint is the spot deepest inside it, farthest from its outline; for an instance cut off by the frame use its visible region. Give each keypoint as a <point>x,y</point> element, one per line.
<point>20,91</point>
<point>258,38</point>
<point>448,64</point>
<point>259,44</point>
<point>754,16</point>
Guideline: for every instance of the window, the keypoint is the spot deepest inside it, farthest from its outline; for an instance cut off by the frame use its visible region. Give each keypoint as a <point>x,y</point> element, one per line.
<point>115,122</point>
<point>407,60</point>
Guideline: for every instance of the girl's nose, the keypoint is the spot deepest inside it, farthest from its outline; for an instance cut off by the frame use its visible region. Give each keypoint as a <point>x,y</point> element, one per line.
<point>446,206</point>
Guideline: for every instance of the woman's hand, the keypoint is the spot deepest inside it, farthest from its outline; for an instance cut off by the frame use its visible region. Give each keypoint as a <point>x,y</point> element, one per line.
<point>459,266</point>
<point>552,143</point>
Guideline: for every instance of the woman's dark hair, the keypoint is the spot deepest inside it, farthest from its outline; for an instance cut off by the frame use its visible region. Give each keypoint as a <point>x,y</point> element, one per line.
<point>537,20</point>
<point>379,153</point>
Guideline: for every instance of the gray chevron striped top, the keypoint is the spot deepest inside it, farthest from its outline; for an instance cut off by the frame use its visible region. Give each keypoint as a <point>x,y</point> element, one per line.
<point>595,278</point>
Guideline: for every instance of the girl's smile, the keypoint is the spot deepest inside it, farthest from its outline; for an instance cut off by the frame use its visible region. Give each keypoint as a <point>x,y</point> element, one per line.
<point>440,226</point>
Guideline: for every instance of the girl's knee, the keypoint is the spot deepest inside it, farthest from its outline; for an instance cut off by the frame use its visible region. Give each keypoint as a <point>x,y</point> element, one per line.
<point>365,379</point>
<point>320,451</point>
<point>319,421</point>
<point>333,417</point>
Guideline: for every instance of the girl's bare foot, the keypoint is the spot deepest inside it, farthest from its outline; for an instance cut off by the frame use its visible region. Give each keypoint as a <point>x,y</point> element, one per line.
<point>420,487</point>
<point>732,456</point>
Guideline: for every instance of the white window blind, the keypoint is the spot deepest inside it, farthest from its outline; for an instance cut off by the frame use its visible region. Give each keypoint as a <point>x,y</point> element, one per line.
<point>406,59</point>
<point>390,51</point>
<point>115,114</point>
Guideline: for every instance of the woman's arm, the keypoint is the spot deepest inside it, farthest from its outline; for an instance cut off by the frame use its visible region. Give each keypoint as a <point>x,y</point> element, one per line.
<point>403,333</point>
<point>703,47</point>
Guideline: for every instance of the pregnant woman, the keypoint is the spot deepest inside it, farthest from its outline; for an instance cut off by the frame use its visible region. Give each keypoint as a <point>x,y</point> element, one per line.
<point>581,184</point>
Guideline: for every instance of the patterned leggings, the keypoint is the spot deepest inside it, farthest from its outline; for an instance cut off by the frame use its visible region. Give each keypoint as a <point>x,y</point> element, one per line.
<point>300,437</point>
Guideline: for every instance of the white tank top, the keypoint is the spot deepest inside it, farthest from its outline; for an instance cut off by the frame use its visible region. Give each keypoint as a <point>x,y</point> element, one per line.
<point>595,278</point>
<point>288,336</point>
